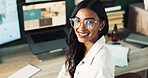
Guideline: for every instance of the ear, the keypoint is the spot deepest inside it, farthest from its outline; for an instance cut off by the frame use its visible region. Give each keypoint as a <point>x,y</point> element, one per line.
<point>102,24</point>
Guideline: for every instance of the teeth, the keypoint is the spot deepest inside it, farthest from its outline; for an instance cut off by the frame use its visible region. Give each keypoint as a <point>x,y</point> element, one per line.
<point>83,33</point>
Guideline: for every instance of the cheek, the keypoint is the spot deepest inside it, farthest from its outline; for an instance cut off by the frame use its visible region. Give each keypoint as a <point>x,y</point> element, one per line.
<point>75,31</point>
<point>95,29</point>
<point>98,26</point>
<point>94,32</point>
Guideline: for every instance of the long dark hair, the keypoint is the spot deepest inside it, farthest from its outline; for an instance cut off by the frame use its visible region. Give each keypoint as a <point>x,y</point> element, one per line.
<point>76,50</point>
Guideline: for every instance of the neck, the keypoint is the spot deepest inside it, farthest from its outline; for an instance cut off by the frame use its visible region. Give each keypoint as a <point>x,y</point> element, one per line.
<point>88,45</point>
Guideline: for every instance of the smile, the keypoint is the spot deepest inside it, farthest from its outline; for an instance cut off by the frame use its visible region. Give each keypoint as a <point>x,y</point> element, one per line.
<point>82,35</point>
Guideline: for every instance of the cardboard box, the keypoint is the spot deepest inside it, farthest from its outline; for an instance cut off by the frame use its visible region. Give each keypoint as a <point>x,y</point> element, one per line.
<point>138,18</point>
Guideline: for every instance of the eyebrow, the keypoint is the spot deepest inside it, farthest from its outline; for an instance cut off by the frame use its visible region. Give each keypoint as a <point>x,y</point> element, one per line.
<point>86,18</point>
<point>90,18</point>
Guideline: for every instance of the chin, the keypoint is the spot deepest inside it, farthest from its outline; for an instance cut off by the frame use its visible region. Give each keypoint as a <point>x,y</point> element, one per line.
<point>81,40</point>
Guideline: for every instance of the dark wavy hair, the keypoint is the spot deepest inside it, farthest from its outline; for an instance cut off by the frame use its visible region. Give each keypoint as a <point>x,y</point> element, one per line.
<point>76,50</point>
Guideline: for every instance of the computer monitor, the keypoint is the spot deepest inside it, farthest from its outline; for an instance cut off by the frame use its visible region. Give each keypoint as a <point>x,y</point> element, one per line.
<point>9,23</point>
<point>47,14</point>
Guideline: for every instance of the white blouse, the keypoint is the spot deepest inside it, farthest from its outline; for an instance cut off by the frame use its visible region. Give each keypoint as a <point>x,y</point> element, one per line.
<point>98,63</point>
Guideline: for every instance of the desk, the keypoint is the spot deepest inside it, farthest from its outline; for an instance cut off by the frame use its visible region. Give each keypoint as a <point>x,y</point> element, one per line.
<point>138,60</point>
<point>14,58</point>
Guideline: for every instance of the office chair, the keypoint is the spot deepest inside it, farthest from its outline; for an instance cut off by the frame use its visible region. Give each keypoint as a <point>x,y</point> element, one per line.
<point>129,75</point>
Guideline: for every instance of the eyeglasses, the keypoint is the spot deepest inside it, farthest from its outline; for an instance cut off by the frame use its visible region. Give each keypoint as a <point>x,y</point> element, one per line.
<point>88,23</point>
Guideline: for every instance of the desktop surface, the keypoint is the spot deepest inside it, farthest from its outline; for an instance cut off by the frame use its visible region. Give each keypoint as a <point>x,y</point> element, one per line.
<point>15,58</point>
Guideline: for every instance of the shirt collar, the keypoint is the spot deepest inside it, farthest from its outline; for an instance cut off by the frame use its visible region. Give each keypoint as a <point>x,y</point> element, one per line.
<point>94,50</point>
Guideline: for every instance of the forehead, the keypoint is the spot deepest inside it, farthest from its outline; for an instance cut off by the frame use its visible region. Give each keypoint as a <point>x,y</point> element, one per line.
<point>86,13</point>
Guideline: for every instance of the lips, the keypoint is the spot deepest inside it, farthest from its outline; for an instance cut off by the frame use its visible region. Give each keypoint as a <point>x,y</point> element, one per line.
<point>82,35</point>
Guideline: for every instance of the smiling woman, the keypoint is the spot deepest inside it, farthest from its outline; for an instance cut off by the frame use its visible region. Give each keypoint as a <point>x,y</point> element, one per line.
<point>87,32</point>
<point>87,56</point>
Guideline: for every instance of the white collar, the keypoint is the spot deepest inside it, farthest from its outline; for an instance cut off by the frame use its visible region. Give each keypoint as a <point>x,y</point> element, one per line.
<point>94,50</point>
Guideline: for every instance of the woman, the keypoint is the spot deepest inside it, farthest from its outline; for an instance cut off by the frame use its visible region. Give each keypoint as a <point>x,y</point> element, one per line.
<point>87,55</point>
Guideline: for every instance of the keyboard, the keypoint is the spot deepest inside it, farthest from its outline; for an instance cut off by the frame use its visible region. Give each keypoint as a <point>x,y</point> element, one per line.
<point>48,36</point>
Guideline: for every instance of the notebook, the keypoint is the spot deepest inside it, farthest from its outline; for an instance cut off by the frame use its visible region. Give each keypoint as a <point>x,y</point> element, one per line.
<point>137,38</point>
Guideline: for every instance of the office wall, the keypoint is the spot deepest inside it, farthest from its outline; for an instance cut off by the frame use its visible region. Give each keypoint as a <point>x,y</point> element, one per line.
<point>70,6</point>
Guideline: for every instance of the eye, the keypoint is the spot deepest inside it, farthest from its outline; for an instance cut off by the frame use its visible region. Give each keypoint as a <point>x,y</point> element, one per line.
<point>88,22</point>
<point>76,20</point>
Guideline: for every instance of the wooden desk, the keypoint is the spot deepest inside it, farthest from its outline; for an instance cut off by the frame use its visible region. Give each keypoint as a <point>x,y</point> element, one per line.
<point>14,58</point>
<point>138,60</point>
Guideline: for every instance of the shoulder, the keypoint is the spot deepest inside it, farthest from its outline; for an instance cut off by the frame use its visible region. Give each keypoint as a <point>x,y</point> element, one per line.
<point>104,61</point>
<point>104,53</point>
<point>104,57</point>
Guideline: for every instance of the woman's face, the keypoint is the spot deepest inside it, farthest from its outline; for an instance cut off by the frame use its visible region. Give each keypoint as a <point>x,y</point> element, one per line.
<point>83,33</point>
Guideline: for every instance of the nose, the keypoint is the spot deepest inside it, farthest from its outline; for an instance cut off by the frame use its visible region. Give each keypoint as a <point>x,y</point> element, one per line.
<point>82,26</point>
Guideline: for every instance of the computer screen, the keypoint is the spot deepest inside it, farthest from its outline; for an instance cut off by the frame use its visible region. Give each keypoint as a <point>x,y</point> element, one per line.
<point>44,14</point>
<point>9,23</point>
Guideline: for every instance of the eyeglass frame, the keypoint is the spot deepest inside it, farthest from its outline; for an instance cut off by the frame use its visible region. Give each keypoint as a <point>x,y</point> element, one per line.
<point>95,21</point>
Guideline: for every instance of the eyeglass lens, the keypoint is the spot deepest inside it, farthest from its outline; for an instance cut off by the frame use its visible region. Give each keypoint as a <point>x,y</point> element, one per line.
<point>89,23</point>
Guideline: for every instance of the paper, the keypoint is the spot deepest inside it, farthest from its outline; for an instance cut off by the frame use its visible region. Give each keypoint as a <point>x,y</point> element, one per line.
<point>25,72</point>
<point>120,54</point>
